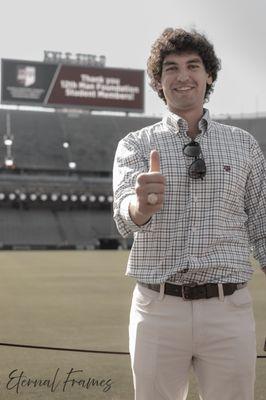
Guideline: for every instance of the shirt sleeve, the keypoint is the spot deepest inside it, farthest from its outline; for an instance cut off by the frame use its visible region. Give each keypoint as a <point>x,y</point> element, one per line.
<point>255,204</point>
<point>128,163</point>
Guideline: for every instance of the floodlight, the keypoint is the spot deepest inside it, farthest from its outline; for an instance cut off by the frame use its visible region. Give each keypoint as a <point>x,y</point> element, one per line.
<point>72,165</point>
<point>8,142</point>
<point>54,197</point>
<point>92,198</point>
<point>33,196</point>
<point>9,162</point>
<point>83,198</point>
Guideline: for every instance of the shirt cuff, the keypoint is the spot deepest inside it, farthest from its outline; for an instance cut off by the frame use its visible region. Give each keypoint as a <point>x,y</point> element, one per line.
<point>124,212</point>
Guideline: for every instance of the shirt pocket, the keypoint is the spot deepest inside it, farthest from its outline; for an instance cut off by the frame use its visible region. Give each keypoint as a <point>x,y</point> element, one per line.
<point>227,180</point>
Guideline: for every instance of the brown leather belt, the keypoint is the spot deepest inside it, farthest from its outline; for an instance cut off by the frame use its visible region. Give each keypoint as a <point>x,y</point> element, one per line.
<point>196,292</point>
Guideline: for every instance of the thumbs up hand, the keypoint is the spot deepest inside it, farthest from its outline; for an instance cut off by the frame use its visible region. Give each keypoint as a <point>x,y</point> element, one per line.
<point>150,188</point>
<point>154,161</point>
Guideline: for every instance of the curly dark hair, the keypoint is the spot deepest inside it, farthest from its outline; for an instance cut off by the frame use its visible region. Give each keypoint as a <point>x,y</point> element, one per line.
<point>179,41</point>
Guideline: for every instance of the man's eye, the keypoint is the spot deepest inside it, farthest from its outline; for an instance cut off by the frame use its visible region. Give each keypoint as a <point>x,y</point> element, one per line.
<point>194,66</point>
<point>173,68</point>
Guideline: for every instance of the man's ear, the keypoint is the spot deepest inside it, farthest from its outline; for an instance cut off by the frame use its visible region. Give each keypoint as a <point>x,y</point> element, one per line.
<point>209,80</point>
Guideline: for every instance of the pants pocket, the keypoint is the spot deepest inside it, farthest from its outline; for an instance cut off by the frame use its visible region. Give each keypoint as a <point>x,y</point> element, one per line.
<point>240,298</point>
<point>143,296</point>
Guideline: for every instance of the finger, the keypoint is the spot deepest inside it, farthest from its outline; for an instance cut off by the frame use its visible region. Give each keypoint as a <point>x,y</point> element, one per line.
<point>150,188</point>
<point>154,161</point>
<point>154,188</point>
<point>154,177</point>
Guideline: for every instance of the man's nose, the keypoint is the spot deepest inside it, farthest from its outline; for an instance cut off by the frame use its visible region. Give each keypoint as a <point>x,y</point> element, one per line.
<point>183,75</point>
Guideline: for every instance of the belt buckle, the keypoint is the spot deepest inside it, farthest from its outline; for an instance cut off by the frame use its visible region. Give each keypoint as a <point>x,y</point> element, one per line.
<point>184,294</point>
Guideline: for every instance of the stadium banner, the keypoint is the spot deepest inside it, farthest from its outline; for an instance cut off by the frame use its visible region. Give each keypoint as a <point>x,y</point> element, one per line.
<point>60,85</point>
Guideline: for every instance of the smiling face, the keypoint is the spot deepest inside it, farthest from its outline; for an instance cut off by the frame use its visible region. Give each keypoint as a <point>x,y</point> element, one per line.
<point>183,82</point>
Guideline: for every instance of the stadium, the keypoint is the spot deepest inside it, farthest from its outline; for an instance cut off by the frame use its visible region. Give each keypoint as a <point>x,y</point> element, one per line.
<point>60,123</point>
<point>56,164</point>
<point>42,189</point>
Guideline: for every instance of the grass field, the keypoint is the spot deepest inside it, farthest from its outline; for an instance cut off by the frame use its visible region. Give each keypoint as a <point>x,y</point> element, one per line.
<point>77,300</point>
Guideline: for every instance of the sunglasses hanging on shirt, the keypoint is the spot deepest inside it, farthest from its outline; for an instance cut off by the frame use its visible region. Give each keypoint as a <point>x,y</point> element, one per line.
<point>197,169</point>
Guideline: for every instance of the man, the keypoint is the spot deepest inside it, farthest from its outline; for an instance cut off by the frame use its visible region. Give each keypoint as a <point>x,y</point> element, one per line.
<point>193,192</point>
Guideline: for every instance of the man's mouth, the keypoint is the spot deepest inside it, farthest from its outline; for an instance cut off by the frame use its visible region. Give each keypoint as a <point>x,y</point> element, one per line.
<point>184,88</point>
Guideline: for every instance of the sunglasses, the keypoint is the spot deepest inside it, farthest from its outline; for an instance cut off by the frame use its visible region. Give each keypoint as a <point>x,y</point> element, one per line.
<point>197,169</point>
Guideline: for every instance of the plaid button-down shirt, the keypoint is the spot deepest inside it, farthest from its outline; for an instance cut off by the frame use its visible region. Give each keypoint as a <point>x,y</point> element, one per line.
<point>206,228</point>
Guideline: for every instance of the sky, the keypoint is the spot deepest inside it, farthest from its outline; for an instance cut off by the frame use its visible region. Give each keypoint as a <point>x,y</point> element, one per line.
<point>124,32</point>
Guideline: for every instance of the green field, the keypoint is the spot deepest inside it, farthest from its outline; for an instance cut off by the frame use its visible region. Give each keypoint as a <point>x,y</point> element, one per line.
<point>77,300</point>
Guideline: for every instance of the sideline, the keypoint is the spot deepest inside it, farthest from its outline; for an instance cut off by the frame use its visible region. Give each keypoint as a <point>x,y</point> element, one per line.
<point>64,349</point>
<point>28,346</point>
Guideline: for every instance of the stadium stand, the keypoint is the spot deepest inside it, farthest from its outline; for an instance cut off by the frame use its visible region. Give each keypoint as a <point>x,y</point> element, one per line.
<point>37,141</point>
<point>39,138</point>
<point>24,228</point>
<point>46,203</point>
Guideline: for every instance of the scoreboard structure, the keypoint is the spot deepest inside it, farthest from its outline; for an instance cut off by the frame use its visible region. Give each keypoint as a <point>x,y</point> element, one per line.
<point>61,85</point>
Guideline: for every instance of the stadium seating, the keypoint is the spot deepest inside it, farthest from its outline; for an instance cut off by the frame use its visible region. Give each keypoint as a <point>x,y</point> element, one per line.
<point>38,139</point>
<point>83,227</point>
<point>57,229</point>
<point>35,227</point>
<point>41,166</point>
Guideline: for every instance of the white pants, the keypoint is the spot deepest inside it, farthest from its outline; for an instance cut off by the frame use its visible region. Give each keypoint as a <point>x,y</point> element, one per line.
<point>168,335</point>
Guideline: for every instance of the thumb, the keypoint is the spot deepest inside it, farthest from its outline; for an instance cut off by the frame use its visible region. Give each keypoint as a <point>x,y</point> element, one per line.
<point>154,161</point>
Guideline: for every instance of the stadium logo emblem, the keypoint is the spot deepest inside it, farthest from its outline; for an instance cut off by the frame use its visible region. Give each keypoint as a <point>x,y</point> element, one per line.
<point>26,76</point>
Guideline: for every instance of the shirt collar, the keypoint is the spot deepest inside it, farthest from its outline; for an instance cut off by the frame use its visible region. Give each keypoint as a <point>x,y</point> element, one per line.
<point>176,124</point>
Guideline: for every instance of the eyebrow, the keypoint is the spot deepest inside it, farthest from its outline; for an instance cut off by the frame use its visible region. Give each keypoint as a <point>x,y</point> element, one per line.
<point>191,61</point>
